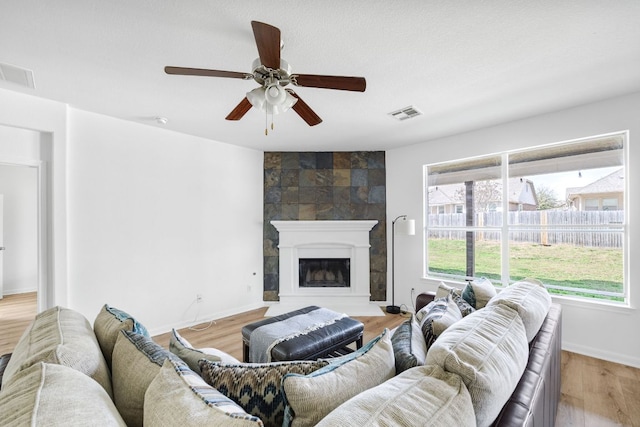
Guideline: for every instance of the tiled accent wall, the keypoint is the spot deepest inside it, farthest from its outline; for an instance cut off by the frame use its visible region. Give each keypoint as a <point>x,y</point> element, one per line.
<point>325,186</point>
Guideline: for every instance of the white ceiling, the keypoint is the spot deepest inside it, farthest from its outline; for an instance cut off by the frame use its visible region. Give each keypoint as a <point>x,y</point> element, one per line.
<point>464,64</point>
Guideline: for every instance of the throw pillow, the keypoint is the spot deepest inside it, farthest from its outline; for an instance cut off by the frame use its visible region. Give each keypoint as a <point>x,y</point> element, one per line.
<point>444,290</point>
<point>55,395</point>
<point>61,336</point>
<point>256,387</point>
<point>530,299</point>
<point>478,292</point>
<point>178,396</point>
<point>136,362</point>
<point>311,397</point>
<point>107,325</point>
<point>464,307</point>
<point>425,395</point>
<point>409,347</point>
<point>192,356</point>
<point>488,350</point>
<point>439,315</point>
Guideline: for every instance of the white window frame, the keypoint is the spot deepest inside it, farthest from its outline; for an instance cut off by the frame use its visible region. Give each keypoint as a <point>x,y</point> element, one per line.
<point>506,228</point>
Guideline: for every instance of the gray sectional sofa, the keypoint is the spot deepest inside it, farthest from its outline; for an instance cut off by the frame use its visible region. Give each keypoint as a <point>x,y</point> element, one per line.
<point>498,365</point>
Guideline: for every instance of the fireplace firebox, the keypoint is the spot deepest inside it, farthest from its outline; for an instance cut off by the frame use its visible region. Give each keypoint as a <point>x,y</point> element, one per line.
<point>324,273</point>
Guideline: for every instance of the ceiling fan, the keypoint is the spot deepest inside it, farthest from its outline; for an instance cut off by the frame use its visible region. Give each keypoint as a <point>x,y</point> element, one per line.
<point>273,74</point>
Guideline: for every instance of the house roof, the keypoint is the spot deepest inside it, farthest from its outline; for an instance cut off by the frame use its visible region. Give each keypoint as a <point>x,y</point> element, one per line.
<point>463,65</point>
<point>612,183</point>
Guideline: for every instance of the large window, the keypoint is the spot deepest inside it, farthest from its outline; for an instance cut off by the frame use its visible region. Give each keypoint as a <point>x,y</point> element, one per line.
<point>555,213</point>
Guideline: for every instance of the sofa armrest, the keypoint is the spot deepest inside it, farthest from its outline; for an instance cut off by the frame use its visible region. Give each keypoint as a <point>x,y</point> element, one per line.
<point>423,299</point>
<point>4,359</point>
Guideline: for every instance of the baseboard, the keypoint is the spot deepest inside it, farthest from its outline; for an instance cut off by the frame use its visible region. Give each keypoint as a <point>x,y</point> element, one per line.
<point>205,318</point>
<point>602,354</point>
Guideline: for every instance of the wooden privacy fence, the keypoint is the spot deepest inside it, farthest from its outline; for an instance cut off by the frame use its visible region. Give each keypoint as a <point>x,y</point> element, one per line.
<point>580,228</point>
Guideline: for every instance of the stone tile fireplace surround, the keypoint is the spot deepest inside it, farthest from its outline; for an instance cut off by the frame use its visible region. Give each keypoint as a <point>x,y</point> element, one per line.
<point>325,186</point>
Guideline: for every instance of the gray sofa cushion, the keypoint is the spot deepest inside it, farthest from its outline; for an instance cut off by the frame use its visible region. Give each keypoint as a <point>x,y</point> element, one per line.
<point>530,299</point>
<point>425,395</point>
<point>488,349</point>
<point>55,395</point>
<point>60,336</point>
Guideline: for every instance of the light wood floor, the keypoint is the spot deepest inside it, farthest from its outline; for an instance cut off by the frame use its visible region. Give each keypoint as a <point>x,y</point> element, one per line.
<point>595,393</point>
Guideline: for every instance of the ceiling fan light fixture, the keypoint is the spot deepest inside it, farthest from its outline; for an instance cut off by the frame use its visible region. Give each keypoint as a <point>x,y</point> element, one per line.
<point>284,106</point>
<point>257,97</point>
<point>275,94</point>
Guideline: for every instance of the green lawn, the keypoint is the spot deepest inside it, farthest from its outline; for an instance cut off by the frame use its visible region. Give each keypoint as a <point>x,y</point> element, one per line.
<point>559,265</point>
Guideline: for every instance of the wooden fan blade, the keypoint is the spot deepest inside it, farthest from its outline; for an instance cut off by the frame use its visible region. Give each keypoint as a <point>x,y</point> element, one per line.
<point>304,111</point>
<point>356,84</point>
<point>205,72</point>
<point>240,110</point>
<point>268,43</point>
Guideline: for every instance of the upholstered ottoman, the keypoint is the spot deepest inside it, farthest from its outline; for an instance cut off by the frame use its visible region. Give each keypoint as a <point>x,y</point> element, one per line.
<point>306,334</point>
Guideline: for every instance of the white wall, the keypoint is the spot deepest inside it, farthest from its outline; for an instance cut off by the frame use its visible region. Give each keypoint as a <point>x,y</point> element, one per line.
<point>48,120</point>
<point>19,184</point>
<point>156,217</point>
<point>596,330</point>
<point>148,217</point>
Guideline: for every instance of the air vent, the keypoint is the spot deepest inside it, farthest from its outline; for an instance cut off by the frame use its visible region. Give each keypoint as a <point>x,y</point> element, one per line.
<point>17,75</point>
<point>406,113</point>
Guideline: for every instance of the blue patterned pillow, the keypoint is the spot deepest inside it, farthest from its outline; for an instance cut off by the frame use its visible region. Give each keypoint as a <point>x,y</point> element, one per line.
<point>465,307</point>
<point>256,387</point>
<point>438,315</point>
<point>409,346</point>
<point>138,327</point>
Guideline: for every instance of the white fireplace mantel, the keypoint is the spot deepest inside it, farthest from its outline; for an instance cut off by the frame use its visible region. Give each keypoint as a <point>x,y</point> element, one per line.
<point>325,239</point>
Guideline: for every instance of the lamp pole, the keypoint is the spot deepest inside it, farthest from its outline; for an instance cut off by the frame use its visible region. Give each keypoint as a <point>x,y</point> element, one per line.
<point>394,309</point>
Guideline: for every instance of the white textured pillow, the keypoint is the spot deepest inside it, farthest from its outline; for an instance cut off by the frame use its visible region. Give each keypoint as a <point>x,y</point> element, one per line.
<point>177,396</point>
<point>182,348</point>
<point>489,350</point>
<point>417,397</point>
<point>478,292</point>
<point>46,395</point>
<point>311,397</point>
<point>530,299</point>
<point>64,337</point>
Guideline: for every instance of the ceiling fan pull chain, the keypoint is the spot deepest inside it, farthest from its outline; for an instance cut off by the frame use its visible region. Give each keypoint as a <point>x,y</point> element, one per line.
<point>266,122</point>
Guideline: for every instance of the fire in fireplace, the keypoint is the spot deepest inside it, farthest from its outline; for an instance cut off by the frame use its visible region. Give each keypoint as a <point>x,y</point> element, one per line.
<point>324,273</point>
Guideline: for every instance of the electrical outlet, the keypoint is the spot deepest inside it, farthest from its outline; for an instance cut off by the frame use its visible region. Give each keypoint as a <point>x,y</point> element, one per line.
<point>198,298</point>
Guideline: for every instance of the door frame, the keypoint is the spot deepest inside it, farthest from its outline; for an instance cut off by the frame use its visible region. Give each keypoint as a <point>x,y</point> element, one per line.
<point>45,278</point>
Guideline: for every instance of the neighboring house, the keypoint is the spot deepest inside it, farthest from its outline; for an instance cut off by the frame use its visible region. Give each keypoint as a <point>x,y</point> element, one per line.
<point>450,198</point>
<point>605,194</point>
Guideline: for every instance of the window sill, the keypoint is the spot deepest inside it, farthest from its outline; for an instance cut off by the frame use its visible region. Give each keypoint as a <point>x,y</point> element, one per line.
<point>601,305</point>
<point>624,308</point>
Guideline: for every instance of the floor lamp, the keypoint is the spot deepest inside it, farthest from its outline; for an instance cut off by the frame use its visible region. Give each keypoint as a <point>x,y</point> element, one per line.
<point>405,227</point>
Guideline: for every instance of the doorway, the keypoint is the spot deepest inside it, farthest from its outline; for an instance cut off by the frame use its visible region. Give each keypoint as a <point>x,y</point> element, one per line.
<point>18,229</point>
<point>24,174</point>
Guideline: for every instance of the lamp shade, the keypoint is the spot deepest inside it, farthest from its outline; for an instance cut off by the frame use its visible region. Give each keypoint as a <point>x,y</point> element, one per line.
<point>406,227</point>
